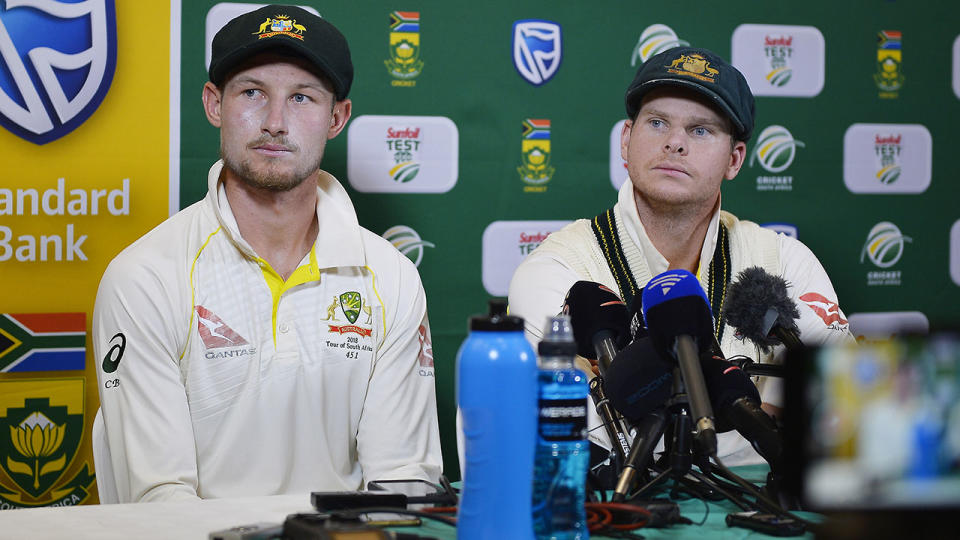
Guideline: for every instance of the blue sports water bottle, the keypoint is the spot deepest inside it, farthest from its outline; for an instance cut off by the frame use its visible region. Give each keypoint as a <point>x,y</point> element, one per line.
<point>497,396</point>
<point>563,453</point>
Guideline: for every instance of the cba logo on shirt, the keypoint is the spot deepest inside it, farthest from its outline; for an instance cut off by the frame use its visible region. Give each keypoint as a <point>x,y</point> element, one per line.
<point>45,91</point>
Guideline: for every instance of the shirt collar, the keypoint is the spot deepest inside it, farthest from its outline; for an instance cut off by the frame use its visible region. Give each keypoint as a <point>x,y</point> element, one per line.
<point>638,234</point>
<point>338,242</point>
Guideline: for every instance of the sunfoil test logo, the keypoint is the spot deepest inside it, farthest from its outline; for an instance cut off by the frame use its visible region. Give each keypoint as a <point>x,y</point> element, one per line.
<point>775,150</point>
<point>655,39</point>
<point>884,247</point>
<point>408,242</point>
<point>780,60</point>
<point>404,144</point>
<point>535,169</point>
<point>537,50</point>
<point>888,158</point>
<point>57,61</point>
<point>404,63</point>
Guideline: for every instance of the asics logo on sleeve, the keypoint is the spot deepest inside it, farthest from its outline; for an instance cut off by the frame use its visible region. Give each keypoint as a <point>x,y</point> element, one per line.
<point>214,332</point>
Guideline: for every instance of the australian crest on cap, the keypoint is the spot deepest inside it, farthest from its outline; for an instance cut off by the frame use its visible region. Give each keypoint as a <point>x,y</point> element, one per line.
<point>281,25</point>
<point>693,65</point>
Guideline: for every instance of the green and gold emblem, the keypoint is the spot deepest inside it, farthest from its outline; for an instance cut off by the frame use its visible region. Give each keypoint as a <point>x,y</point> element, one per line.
<point>404,63</point>
<point>351,303</point>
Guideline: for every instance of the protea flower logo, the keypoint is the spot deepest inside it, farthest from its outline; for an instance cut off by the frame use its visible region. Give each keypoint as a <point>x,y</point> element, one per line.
<point>775,149</point>
<point>888,158</point>
<point>655,39</point>
<point>884,245</point>
<point>407,241</point>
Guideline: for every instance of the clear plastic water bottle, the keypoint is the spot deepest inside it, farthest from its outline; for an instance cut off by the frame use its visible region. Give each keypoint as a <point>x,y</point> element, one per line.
<point>497,396</point>
<point>563,453</point>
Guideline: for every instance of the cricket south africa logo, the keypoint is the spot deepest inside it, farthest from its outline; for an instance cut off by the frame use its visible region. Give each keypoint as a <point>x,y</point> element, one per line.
<point>280,25</point>
<point>889,75</point>
<point>535,169</point>
<point>537,50</point>
<point>778,51</point>
<point>404,63</point>
<point>404,144</point>
<point>655,39</point>
<point>775,150</point>
<point>407,241</point>
<point>41,426</point>
<point>57,61</point>
<point>884,248</point>
<point>887,158</point>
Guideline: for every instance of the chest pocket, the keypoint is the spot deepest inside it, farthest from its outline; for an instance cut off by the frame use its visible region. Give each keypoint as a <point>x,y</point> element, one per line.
<point>350,323</point>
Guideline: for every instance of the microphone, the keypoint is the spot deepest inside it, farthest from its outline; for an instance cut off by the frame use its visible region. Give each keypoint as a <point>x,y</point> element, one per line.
<point>760,310</point>
<point>737,402</point>
<point>639,380</point>
<point>680,324</point>
<point>599,319</point>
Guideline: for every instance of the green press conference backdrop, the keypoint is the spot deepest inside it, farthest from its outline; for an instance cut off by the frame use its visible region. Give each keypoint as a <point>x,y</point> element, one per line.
<point>479,128</point>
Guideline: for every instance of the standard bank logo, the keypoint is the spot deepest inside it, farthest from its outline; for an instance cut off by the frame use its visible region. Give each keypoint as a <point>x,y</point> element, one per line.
<point>775,150</point>
<point>887,158</point>
<point>655,39</point>
<point>57,61</point>
<point>780,60</point>
<point>505,244</point>
<point>407,241</point>
<point>537,50</point>
<point>402,154</point>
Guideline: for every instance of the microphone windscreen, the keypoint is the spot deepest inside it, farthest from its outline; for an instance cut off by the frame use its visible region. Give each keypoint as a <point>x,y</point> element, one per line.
<point>595,309</point>
<point>750,297</point>
<point>639,380</point>
<point>725,383</point>
<point>674,304</point>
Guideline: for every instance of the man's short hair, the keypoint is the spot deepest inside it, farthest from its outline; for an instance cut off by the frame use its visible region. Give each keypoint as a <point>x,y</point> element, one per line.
<point>701,71</point>
<point>287,30</point>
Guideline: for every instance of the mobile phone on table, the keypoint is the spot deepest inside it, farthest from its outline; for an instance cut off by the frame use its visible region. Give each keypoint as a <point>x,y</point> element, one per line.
<point>771,524</point>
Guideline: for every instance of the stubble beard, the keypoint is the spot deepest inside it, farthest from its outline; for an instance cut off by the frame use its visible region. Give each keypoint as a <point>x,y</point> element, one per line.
<point>269,177</point>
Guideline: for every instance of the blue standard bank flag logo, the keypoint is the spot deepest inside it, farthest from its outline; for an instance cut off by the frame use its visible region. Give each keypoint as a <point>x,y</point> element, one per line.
<point>57,61</point>
<point>536,50</point>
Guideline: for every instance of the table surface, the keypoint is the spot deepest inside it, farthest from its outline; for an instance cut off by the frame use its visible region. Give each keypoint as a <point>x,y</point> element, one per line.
<point>196,519</point>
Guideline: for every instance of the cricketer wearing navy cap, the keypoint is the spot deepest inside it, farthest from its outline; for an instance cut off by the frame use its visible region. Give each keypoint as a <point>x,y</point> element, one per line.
<point>690,115</point>
<point>269,343</point>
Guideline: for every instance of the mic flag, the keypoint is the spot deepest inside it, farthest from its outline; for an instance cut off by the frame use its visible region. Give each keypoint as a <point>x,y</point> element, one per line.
<point>674,304</point>
<point>596,312</point>
<point>726,383</point>
<point>760,309</point>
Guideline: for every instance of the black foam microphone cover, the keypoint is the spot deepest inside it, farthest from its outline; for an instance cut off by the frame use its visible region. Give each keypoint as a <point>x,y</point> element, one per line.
<point>756,303</point>
<point>639,380</point>
<point>725,383</point>
<point>596,311</point>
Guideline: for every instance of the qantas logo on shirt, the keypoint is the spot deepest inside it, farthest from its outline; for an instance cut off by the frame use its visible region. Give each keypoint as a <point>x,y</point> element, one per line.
<point>214,332</point>
<point>826,309</point>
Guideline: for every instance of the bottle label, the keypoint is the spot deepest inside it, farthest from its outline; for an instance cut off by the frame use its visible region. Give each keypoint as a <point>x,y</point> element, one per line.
<point>563,419</point>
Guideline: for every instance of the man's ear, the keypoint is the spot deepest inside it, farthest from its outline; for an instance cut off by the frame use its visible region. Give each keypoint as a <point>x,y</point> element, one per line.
<point>211,103</point>
<point>737,157</point>
<point>339,117</point>
<point>625,138</point>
